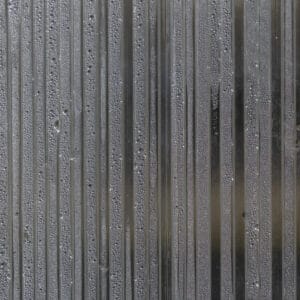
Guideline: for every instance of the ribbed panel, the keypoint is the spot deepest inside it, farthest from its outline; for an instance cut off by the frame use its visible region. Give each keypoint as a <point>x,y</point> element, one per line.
<point>149,149</point>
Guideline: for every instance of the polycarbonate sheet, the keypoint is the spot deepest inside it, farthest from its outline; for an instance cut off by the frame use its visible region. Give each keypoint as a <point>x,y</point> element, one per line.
<point>149,149</point>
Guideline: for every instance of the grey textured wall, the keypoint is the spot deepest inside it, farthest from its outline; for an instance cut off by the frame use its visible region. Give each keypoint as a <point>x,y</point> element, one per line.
<point>149,149</point>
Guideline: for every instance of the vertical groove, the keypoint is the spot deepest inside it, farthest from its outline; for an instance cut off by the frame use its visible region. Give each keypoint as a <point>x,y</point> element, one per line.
<point>20,158</point>
<point>44,115</point>
<point>34,177</point>
<point>164,126</point>
<point>76,164</point>
<point>129,207</point>
<point>58,127</point>
<point>81,134</point>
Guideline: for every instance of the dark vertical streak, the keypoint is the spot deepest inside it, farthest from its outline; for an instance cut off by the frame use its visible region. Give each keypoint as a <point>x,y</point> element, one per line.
<point>128,136</point>
<point>239,154</point>
<point>165,151</point>
<point>214,73</point>
<point>276,153</point>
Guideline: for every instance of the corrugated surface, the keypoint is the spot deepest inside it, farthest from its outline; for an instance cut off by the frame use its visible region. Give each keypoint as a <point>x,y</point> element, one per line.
<point>149,149</point>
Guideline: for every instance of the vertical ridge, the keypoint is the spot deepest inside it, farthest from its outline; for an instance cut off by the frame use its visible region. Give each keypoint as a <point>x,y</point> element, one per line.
<point>288,116</point>
<point>140,105</point>
<point>4,164</point>
<point>190,288</point>
<point>103,254</point>
<point>178,136</point>
<point>52,135</point>
<point>39,149</point>
<point>154,259</point>
<point>5,242</point>
<point>13,15</point>
<point>64,158</point>
<point>202,148</point>
<point>265,150</point>
<point>227,144</point>
<point>27,151</point>
<point>76,164</point>
<point>116,149</point>
<point>90,160</point>
<point>251,144</point>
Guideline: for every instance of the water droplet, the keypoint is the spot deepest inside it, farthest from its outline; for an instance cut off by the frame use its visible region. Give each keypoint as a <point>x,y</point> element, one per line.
<point>56,126</point>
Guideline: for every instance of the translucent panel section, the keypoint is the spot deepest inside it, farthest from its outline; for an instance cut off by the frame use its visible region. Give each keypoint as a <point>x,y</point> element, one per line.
<point>149,149</point>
